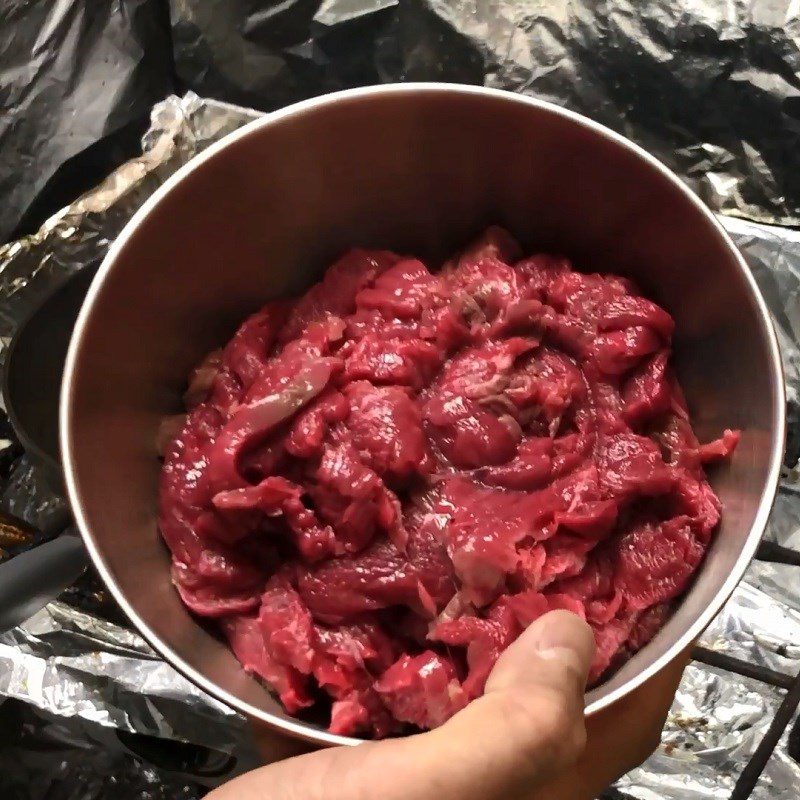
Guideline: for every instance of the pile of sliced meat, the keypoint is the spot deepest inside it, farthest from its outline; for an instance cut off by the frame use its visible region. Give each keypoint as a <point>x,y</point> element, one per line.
<point>378,486</point>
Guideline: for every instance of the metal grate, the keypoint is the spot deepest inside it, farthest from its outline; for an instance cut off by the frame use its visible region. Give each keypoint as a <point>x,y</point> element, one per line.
<point>776,554</point>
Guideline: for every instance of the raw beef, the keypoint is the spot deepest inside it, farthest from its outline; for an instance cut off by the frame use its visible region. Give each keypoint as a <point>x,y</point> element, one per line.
<point>378,486</point>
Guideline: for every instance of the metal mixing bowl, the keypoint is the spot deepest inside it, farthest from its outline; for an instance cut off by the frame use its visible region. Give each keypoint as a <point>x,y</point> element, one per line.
<point>416,168</point>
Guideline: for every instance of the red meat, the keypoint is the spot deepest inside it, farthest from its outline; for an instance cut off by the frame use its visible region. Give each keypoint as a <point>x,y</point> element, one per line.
<point>647,392</point>
<point>464,421</point>
<point>377,487</point>
<point>335,294</point>
<point>483,529</point>
<point>655,561</point>
<point>248,643</point>
<point>404,291</point>
<point>380,577</point>
<point>398,361</point>
<point>281,501</point>
<point>353,499</point>
<point>484,638</point>
<point>632,465</point>
<point>385,426</point>
<point>530,468</point>
<point>422,690</point>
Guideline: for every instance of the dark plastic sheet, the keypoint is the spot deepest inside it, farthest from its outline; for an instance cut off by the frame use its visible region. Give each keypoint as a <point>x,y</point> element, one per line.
<point>46,758</point>
<point>710,87</point>
<point>73,72</point>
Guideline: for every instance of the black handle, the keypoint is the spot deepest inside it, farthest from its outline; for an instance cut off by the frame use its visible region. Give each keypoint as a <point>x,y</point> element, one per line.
<point>32,579</point>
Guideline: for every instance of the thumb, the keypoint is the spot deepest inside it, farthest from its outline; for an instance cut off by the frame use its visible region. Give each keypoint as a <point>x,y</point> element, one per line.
<point>528,724</point>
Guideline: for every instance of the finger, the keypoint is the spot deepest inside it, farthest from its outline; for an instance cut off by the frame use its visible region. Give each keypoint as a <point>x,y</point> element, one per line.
<point>273,745</point>
<point>619,737</point>
<point>528,724</point>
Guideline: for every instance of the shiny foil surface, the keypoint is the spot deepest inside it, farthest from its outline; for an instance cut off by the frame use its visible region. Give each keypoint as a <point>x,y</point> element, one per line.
<point>77,659</point>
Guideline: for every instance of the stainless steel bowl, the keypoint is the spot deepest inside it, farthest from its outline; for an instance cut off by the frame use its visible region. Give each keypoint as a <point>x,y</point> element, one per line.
<point>418,168</point>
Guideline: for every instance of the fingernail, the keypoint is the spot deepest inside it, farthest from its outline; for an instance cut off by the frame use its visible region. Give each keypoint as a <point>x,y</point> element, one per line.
<point>559,633</point>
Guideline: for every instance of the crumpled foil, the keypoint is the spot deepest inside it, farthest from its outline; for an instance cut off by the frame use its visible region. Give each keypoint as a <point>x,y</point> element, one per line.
<point>709,87</point>
<point>714,726</point>
<point>114,679</point>
<point>76,660</point>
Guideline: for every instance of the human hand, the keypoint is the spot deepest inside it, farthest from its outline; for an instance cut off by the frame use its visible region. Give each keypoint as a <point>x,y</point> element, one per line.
<point>525,738</point>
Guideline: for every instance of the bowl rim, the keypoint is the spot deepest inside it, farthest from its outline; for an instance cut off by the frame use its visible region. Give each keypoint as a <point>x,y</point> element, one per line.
<point>296,728</point>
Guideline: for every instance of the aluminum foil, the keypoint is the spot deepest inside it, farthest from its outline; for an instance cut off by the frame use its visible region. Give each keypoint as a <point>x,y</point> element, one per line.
<point>78,661</point>
<point>76,664</point>
<point>710,87</point>
<point>714,726</point>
